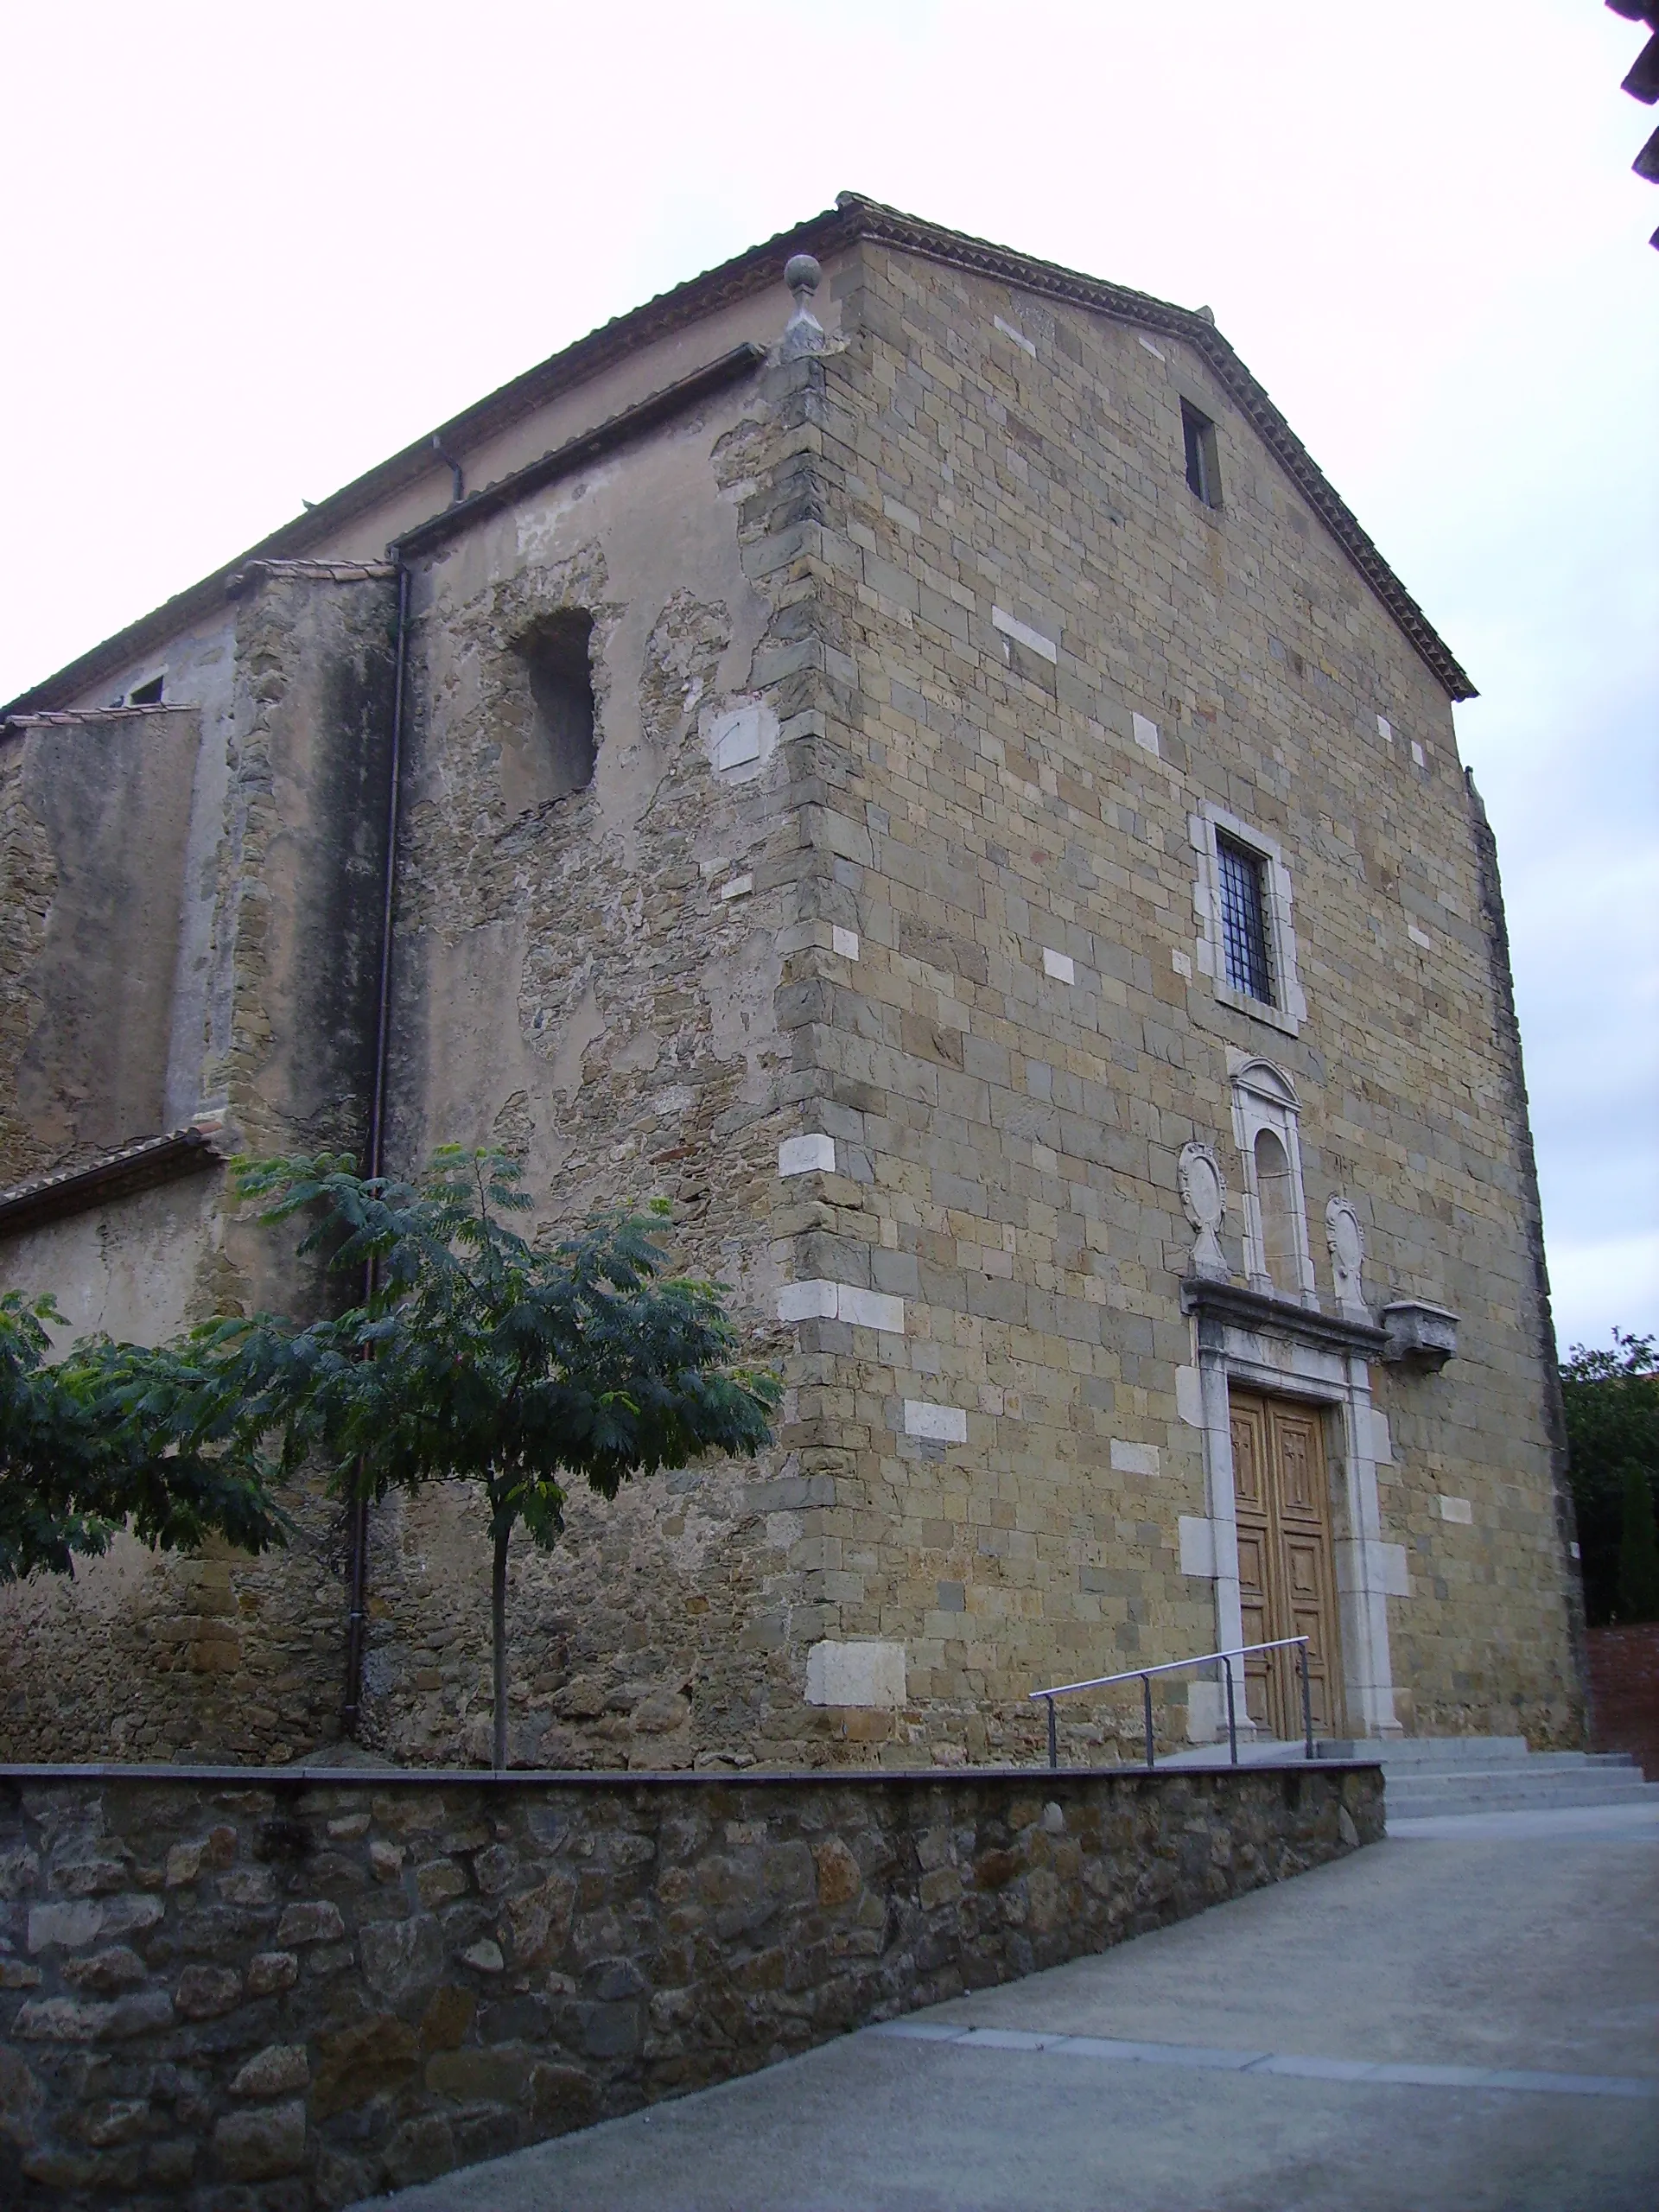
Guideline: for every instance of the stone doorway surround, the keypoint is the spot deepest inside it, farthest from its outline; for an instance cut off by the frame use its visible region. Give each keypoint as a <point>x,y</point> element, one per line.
<point>1245,1339</point>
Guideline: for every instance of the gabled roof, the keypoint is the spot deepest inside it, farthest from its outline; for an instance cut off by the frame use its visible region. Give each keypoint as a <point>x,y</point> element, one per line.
<point>852,218</point>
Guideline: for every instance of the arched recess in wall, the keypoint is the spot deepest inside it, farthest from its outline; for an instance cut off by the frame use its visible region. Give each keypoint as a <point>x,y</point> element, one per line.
<point>1265,1121</point>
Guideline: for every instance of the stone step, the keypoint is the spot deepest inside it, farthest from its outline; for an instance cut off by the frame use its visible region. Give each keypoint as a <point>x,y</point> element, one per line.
<point>1459,1752</point>
<point>1541,1762</point>
<point>1504,1793</point>
<point>1429,1777</point>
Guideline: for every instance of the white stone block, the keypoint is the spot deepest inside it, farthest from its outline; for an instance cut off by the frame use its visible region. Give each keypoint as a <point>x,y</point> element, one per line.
<point>738,887</point>
<point>1382,1442</point>
<point>1197,1546</point>
<point>1134,1459</point>
<point>1022,633</point>
<point>1189,1397</point>
<point>845,941</point>
<point>1419,937</point>
<point>1018,336</point>
<point>1059,965</point>
<point>1146,733</point>
<point>1045,1161</point>
<point>1385,729</point>
<point>943,1424</point>
<point>818,1300</point>
<point>856,1673</point>
<point>1418,754</point>
<point>1393,1570</point>
<point>807,1302</point>
<point>738,737</point>
<point>1206,1712</point>
<point>1458,1510</point>
<point>1182,965</point>
<point>805,1155</point>
<point>1150,347</point>
<point>870,1309</point>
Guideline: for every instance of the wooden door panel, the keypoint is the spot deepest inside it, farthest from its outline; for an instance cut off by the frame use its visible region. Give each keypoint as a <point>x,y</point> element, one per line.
<point>1248,1424</point>
<point>1250,1437</point>
<point>1299,1465</point>
<point>1253,1565</point>
<point>1286,1583</point>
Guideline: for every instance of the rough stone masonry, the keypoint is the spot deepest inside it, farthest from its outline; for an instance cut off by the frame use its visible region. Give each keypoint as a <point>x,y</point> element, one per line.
<point>827,765</point>
<point>269,1993</point>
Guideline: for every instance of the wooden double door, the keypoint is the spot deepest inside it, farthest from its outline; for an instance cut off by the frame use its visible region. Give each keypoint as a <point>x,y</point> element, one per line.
<point>1286,1582</point>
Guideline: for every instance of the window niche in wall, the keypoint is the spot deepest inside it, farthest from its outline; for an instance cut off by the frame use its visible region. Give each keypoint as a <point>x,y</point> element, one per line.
<point>1265,1116</point>
<point>1276,1198</point>
<point>552,754</point>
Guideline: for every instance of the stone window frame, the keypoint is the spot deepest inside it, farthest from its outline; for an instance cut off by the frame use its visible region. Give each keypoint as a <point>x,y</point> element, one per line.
<point>1264,1098</point>
<point>1289,1010</point>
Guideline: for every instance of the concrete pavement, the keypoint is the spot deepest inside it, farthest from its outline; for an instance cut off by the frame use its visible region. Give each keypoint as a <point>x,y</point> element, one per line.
<point>1464,2017</point>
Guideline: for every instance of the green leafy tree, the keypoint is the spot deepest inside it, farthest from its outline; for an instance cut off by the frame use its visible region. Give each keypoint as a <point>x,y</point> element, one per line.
<point>1638,1550</point>
<point>118,1435</point>
<point>478,1356</point>
<point>1611,1399</point>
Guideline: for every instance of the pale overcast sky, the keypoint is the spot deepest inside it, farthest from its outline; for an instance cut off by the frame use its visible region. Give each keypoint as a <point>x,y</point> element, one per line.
<point>247,252</point>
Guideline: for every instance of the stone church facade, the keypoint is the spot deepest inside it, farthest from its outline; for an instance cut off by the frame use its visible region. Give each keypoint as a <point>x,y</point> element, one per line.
<point>938,786</point>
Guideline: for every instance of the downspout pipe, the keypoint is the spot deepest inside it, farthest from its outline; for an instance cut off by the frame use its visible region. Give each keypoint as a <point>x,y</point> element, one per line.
<point>374,1153</point>
<point>456,472</point>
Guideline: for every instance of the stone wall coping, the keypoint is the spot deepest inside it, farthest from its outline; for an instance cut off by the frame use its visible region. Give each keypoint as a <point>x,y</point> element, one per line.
<point>116,1174</point>
<point>330,1777</point>
<point>646,414</point>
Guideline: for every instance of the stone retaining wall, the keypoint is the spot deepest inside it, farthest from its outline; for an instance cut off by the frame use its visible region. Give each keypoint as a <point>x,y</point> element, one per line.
<point>271,1991</point>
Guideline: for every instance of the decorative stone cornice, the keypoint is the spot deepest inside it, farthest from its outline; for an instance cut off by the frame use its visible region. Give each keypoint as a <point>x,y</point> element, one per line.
<point>1228,1306</point>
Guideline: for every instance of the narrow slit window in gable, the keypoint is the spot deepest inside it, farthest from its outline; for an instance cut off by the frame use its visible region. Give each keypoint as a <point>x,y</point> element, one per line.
<point>1203,470</point>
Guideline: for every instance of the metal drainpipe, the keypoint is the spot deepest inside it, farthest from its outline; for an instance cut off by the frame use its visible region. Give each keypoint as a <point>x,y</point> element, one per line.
<point>358,1524</point>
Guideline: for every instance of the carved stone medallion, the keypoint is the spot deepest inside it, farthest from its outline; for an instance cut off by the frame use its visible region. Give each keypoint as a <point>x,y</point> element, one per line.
<point>1346,1241</point>
<point>1203,1200</point>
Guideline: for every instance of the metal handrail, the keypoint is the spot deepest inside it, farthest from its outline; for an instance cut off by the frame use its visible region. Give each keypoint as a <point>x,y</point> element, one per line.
<point>1144,1674</point>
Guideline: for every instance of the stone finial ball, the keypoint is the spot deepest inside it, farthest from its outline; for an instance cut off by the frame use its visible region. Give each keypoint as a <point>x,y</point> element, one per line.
<point>802,273</point>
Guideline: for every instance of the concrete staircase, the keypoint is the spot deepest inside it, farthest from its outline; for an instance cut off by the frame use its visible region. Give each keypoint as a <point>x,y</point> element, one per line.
<point>1429,1777</point>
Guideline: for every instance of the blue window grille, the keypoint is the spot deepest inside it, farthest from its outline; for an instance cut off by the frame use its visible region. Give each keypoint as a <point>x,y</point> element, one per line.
<point>1244,921</point>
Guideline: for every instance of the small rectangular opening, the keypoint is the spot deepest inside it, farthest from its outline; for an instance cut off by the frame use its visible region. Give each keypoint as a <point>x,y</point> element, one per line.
<point>557,656</point>
<point>1203,468</point>
<point>146,695</point>
<point>1244,920</point>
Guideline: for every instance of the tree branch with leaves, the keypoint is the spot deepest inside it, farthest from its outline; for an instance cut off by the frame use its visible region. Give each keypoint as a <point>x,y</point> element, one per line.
<point>1611,1401</point>
<point>479,1355</point>
<point>120,1435</point>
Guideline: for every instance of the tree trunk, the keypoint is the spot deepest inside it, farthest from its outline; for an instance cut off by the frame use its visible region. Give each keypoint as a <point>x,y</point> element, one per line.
<point>498,1643</point>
